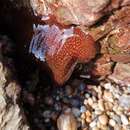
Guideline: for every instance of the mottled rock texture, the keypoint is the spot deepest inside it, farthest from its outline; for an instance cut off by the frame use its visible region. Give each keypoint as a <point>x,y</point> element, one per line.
<point>11,115</point>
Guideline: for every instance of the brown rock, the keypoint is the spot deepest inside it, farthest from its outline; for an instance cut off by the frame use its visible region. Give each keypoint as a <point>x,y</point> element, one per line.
<point>121,74</point>
<point>11,115</point>
<point>67,122</point>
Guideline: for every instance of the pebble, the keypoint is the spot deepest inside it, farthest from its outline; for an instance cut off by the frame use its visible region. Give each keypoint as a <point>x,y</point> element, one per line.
<point>103,119</point>
<point>85,102</point>
<point>112,122</point>
<point>108,96</point>
<point>49,100</point>
<point>90,101</point>
<point>83,116</point>
<point>93,123</point>
<point>101,105</point>
<point>98,112</point>
<point>88,113</point>
<point>117,119</point>
<point>82,109</point>
<point>76,112</point>
<point>102,108</point>
<point>124,119</point>
<point>124,101</point>
<point>107,86</point>
<point>95,106</point>
<point>68,90</point>
<point>95,128</point>
<point>88,116</point>
<point>67,122</point>
<point>117,127</point>
<point>75,102</point>
<point>88,119</point>
<point>87,95</point>
<point>47,114</point>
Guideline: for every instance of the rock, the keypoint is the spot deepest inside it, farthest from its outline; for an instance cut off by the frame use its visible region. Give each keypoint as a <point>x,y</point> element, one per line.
<point>121,74</point>
<point>88,116</point>
<point>74,12</point>
<point>66,122</point>
<point>124,101</point>
<point>103,66</point>
<point>103,119</point>
<point>82,109</point>
<point>101,105</point>
<point>118,41</point>
<point>95,128</point>
<point>93,123</point>
<point>112,122</point>
<point>70,12</point>
<point>117,119</point>
<point>47,114</point>
<point>117,127</point>
<point>11,114</point>
<point>69,90</point>
<point>76,112</point>
<point>108,96</point>
<point>90,101</point>
<point>124,119</point>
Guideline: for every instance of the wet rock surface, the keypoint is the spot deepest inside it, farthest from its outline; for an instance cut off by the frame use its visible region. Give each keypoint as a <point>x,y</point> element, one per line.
<point>77,11</point>
<point>11,113</point>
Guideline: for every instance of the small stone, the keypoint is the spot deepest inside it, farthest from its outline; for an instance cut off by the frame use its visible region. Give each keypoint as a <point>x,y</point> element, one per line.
<point>101,105</point>
<point>124,119</point>
<point>87,95</point>
<point>117,127</point>
<point>88,113</point>
<point>103,119</point>
<point>112,122</point>
<point>75,102</point>
<point>124,101</point>
<point>57,98</point>
<point>95,106</point>
<point>82,87</point>
<point>49,100</point>
<point>90,101</point>
<point>117,119</point>
<point>54,116</point>
<point>68,90</point>
<point>111,114</point>
<point>47,120</point>
<point>95,128</point>
<point>82,109</point>
<point>88,119</point>
<point>85,102</point>
<point>94,98</point>
<point>67,110</point>
<point>47,114</point>
<point>129,118</point>
<point>98,124</point>
<point>108,96</point>
<point>104,127</point>
<point>93,123</point>
<point>107,85</point>
<point>85,129</point>
<point>88,116</point>
<point>67,122</point>
<point>108,106</point>
<point>83,116</point>
<point>76,112</point>
<point>98,112</point>
<point>83,123</point>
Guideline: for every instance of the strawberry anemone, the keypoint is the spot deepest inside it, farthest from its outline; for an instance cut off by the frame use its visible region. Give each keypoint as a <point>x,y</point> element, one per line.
<point>62,48</point>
